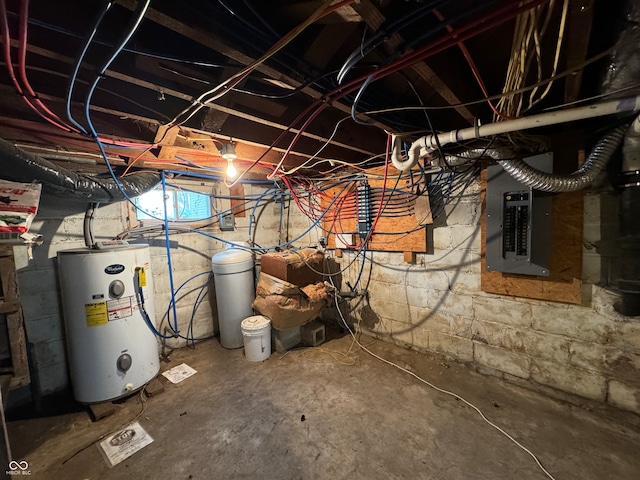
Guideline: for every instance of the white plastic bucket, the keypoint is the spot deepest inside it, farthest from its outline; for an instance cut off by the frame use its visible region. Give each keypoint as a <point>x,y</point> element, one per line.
<point>256,333</point>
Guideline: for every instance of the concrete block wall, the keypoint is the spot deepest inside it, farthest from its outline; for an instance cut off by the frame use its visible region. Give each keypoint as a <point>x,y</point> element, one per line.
<point>436,305</point>
<point>60,222</point>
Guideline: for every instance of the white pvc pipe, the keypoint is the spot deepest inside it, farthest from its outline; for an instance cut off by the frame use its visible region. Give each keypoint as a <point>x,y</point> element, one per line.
<point>427,144</point>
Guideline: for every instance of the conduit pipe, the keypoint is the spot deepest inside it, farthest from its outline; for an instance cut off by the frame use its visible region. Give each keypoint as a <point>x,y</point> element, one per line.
<point>427,144</point>
<point>87,225</point>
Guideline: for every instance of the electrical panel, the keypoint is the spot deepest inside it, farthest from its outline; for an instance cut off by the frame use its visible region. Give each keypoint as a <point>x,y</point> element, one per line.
<point>518,222</point>
<point>227,222</point>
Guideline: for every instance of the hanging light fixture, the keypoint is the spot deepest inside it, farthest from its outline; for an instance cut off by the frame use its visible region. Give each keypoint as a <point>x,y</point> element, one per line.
<point>228,152</point>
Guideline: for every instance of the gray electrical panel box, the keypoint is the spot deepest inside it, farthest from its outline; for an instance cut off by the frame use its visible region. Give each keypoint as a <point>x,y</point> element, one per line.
<point>518,222</point>
<point>227,222</point>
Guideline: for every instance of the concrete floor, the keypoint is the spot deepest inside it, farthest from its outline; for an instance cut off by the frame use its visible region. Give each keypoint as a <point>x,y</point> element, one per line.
<point>240,420</point>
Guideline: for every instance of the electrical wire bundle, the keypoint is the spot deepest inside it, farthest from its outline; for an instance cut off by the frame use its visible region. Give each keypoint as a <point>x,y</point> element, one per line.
<point>526,54</point>
<point>470,29</point>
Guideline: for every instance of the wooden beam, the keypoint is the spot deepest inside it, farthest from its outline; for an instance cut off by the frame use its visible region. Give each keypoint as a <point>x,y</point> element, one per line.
<point>374,19</point>
<point>579,23</point>
<point>71,147</point>
<point>183,96</point>
<point>212,41</point>
<point>280,126</point>
<point>326,45</point>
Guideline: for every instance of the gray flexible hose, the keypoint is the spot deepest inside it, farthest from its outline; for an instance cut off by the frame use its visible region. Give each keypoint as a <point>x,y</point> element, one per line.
<point>548,182</point>
<point>475,154</point>
<point>581,178</point>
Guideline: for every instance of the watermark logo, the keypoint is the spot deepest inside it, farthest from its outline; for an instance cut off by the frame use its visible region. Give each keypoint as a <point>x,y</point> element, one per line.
<point>18,468</point>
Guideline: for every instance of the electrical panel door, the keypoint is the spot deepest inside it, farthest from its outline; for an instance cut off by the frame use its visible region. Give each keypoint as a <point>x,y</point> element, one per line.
<point>518,222</point>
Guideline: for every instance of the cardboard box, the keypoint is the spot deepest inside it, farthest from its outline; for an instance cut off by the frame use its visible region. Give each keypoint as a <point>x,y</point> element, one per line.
<point>298,267</point>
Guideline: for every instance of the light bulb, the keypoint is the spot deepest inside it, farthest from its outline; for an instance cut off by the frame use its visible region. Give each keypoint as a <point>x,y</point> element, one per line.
<point>231,170</point>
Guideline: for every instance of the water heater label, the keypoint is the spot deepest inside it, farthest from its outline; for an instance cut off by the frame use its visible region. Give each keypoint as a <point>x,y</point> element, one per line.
<point>119,308</point>
<point>114,269</point>
<point>96,314</point>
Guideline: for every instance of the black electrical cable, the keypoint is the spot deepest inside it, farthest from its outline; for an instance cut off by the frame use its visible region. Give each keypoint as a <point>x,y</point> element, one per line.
<point>383,34</point>
<point>246,37</point>
<point>135,51</point>
<point>293,92</point>
<point>80,58</point>
<point>259,17</point>
<point>101,89</point>
<point>436,29</point>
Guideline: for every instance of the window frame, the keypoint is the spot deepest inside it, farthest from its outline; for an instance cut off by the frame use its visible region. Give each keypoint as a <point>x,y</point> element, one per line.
<point>192,187</point>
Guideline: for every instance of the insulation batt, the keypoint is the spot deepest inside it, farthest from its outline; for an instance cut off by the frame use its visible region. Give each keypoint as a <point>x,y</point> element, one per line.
<point>287,305</point>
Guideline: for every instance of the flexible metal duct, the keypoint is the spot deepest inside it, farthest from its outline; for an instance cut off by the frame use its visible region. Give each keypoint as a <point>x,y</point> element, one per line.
<point>623,70</point>
<point>581,178</point>
<point>474,154</point>
<point>624,73</point>
<point>547,182</point>
<point>20,166</point>
<point>631,148</point>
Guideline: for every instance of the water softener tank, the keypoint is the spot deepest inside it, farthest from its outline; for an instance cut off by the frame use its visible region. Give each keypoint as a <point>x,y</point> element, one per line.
<point>112,351</point>
<point>235,292</point>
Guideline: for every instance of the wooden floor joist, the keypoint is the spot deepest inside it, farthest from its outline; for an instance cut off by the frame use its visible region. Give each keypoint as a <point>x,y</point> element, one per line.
<point>374,19</point>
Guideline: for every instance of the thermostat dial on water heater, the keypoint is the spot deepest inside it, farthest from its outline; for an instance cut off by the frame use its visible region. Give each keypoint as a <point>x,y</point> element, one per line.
<point>116,289</point>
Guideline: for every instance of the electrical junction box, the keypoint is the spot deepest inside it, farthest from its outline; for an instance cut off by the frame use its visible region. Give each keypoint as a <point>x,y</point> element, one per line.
<point>518,222</point>
<point>227,222</point>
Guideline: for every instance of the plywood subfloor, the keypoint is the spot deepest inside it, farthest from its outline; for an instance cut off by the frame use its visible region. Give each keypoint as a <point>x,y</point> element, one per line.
<point>236,419</point>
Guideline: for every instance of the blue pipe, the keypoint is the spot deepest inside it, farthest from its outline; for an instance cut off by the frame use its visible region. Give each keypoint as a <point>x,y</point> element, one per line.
<point>255,207</point>
<point>145,315</point>
<point>364,260</point>
<point>76,66</point>
<point>169,265</point>
<point>140,12</point>
<point>316,222</point>
<point>193,314</point>
<point>206,272</point>
<point>212,177</point>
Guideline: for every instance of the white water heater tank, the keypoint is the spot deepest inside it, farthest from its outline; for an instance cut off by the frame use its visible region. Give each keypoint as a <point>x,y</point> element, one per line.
<point>112,351</point>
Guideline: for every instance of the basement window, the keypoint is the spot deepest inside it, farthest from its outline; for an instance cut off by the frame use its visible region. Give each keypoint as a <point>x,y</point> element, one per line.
<point>182,205</point>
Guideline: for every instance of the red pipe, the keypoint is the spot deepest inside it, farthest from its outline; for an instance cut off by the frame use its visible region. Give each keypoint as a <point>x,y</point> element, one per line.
<point>22,57</point>
<point>6,41</point>
<point>472,65</point>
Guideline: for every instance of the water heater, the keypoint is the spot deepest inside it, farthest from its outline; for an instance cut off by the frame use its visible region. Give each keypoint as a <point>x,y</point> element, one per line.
<point>112,351</point>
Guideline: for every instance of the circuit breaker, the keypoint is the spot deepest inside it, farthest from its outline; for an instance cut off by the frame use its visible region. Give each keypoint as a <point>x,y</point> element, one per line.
<point>518,222</point>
